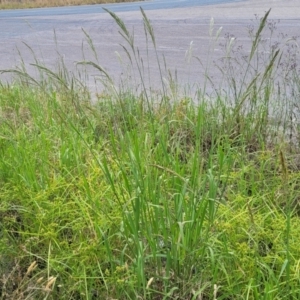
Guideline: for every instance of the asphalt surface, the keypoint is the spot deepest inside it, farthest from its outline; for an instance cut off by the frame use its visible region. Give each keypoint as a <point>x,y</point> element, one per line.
<point>55,33</point>
<point>117,7</point>
<point>12,21</point>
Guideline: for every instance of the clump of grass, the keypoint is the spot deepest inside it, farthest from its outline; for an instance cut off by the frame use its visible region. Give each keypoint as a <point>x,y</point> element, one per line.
<point>15,4</point>
<point>140,196</point>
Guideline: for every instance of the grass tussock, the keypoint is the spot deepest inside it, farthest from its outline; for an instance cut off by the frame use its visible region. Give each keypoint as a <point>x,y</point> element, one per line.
<point>15,4</point>
<point>150,196</point>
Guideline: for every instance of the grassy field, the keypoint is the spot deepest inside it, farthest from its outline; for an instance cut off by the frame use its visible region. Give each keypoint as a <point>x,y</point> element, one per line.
<point>153,196</point>
<point>12,4</point>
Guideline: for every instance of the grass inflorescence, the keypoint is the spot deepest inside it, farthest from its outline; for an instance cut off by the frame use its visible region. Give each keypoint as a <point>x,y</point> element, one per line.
<point>151,196</point>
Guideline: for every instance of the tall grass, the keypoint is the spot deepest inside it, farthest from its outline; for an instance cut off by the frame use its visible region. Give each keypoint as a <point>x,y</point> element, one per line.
<point>143,197</point>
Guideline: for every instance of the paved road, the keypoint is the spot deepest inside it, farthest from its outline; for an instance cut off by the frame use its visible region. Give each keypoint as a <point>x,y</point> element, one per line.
<point>12,21</point>
<point>118,7</point>
<point>175,28</point>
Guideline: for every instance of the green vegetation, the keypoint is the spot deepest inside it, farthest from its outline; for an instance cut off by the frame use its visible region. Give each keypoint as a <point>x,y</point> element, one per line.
<point>16,4</point>
<point>153,196</point>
